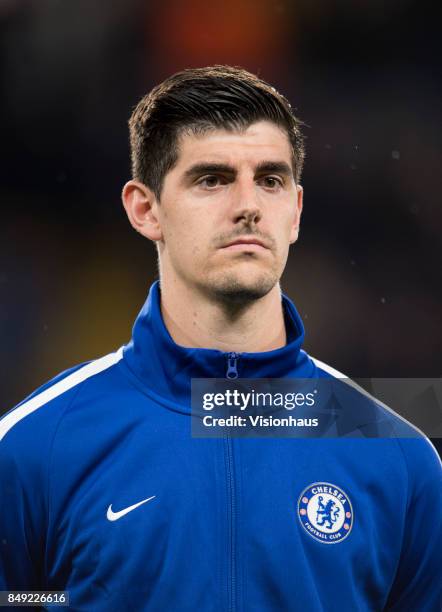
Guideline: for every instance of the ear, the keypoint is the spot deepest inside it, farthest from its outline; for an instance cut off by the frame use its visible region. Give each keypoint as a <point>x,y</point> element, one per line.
<point>294,232</point>
<point>141,208</point>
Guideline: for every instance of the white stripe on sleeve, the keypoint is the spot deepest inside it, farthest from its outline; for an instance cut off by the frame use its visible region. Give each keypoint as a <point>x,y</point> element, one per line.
<point>19,413</point>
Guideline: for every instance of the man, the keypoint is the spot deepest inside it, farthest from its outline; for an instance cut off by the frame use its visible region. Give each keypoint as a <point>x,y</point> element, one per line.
<point>105,493</point>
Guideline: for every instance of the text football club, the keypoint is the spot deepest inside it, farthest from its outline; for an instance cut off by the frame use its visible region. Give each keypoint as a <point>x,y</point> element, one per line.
<point>325,512</point>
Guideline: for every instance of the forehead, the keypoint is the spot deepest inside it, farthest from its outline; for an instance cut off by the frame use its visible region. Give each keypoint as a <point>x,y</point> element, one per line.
<point>262,140</point>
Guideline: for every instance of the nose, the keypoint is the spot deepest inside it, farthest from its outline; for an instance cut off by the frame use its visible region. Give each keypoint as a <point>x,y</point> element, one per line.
<point>246,207</point>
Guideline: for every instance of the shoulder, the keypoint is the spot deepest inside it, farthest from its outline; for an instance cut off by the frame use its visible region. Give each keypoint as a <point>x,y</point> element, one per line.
<point>415,448</point>
<point>33,421</point>
<point>323,370</point>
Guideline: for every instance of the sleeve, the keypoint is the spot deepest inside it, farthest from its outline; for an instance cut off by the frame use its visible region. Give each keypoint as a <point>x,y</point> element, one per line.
<point>25,444</point>
<point>21,526</point>
<point>418,582</point>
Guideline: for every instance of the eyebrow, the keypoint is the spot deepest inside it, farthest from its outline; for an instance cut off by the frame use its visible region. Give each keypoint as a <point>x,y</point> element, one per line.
<point>279,167</point>
<point>264,167</point>
<point>208,168</point>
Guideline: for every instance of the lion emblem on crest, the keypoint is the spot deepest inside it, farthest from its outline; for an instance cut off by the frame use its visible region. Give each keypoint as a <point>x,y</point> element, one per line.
<point>326,514</point>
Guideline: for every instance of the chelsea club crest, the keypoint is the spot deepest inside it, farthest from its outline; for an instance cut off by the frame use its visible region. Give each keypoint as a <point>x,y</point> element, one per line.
<point>325,512</point>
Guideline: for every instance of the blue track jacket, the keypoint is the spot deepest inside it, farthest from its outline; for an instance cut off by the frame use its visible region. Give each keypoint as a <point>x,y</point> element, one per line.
<point>105,494</point>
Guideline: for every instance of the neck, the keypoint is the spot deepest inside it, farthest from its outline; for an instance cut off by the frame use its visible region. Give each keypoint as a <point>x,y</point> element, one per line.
<point>195,321</point>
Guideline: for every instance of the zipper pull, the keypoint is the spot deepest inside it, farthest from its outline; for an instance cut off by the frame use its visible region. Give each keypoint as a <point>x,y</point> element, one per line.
<point>232,370</point>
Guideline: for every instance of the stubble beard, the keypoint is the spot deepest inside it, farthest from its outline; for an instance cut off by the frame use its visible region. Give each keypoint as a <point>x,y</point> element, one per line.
<point>234,292</point>
<point>235,288</point>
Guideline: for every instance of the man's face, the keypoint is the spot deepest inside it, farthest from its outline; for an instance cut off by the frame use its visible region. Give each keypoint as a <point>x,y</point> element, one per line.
<point>229,210</point>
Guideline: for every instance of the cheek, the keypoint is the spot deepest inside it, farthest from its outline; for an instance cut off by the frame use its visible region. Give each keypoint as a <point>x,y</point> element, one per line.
<point>283,227</point>
<point>193,229</point>
<point>292,221</point>
<point>185,237</point>
<point>176,229</point>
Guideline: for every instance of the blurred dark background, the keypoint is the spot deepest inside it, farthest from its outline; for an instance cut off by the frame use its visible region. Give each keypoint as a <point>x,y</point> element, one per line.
<point>365,274</point>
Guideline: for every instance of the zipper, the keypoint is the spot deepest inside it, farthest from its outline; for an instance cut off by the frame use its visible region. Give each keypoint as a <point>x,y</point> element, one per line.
<point>231,373</point>
<point>232,365</point>
<point>232,523</point>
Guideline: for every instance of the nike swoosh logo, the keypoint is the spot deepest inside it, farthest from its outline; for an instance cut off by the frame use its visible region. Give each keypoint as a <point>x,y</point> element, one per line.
<point>114,516</point>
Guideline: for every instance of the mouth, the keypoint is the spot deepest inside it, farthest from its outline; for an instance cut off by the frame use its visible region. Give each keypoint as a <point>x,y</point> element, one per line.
<point>246,244</point>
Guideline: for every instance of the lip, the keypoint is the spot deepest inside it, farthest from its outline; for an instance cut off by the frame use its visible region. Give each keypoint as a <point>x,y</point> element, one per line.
<point>251,244</point>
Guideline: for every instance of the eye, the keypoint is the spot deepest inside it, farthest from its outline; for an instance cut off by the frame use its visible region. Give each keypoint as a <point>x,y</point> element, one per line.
<point>210,181</point>
<point>271,182</point>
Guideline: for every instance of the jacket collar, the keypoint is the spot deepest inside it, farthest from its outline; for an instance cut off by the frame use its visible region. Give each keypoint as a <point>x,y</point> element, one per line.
<point>167,368</point>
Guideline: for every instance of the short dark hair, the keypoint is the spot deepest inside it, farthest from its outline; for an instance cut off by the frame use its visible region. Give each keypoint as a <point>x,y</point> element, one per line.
<point>195,101</point>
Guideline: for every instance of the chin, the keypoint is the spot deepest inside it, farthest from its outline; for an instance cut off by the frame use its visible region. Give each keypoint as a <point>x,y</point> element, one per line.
<point>234,289</point>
